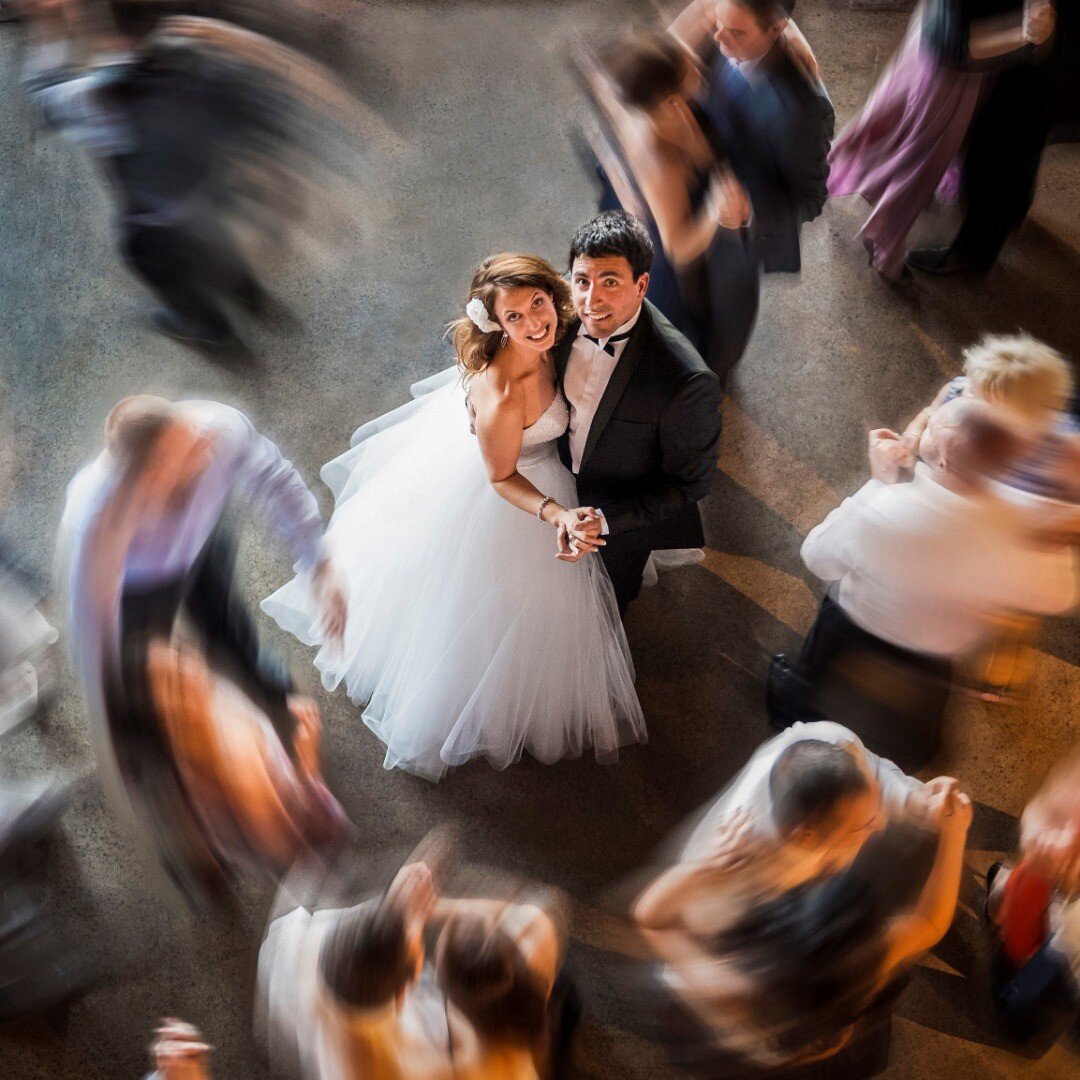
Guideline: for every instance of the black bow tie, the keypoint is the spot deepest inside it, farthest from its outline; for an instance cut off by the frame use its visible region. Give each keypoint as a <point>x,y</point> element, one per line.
<point>609,348</point>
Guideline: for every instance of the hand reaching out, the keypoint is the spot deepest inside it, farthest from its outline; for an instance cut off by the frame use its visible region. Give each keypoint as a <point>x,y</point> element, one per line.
<point>179,1052</point>
<point>731,847</point>
<point>1039,21</point>
<point>729,198</point>
<point>928,804</point>
<point>413,891</point>
<point>330,601</point>
<point>889,453</point>
<point>308,733</point>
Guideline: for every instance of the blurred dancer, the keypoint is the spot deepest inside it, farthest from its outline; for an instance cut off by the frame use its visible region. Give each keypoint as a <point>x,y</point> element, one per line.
<point>341,993</point>
<point>347,993</point>
<point>498,965</point>
<point>146,533</point>
<point>919,573</point>
<point>804,805</point>
<point>1034,911</point>
<point>729,162</point>
<point>810,975</point>
<point>43,965</point>
<point>1029,386</point>
<point>25,640</point>
<point>1011,128</point>
<point>255,807</point>
<point>906,143</point>
<point>184,115</point>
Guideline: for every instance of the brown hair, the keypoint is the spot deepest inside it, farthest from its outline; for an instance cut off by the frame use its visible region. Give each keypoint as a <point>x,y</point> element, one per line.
<point>483,973</point>
<point>647,67</point>
<point>365,961</point>
<point>476,349</point>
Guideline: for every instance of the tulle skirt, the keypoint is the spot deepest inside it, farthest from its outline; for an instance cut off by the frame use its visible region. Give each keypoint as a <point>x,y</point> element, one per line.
<point>465,637</point>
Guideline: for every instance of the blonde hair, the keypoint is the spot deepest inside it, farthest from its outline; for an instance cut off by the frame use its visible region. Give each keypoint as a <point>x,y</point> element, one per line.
<point>1019,373</point>
<point>476,349</point>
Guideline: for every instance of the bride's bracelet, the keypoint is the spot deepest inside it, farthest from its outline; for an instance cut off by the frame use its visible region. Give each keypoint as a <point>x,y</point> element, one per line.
<point>540,509</point>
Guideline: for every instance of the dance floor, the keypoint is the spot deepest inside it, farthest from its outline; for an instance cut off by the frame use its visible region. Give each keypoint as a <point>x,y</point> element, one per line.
<point>472,152</point>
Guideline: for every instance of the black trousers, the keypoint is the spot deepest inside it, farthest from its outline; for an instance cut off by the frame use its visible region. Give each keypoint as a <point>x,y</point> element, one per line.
<point>209,597</point>
<point>733,283</point>
<point>892,698</point>
<point>1001,165</point>
<point>191,276</point>
<point>625,564</point>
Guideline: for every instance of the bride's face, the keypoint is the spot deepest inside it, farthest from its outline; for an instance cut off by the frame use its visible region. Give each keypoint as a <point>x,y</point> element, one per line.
<point>528,316</point>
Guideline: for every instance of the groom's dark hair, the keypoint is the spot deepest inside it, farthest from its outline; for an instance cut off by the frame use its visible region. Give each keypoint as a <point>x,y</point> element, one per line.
<point>614,232</point>
<point>808,781</point>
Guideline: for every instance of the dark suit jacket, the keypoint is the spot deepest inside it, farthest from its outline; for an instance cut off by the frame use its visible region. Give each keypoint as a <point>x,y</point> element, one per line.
<point>775,132</point>
<point>652,447</point>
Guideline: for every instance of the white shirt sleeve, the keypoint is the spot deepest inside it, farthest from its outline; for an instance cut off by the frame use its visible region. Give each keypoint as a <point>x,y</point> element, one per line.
<point>895,784</point>
<point>269,479</point>
<point>831,549</point>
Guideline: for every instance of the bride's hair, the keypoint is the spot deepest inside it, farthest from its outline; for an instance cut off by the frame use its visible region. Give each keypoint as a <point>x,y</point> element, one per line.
<point>476,349</point>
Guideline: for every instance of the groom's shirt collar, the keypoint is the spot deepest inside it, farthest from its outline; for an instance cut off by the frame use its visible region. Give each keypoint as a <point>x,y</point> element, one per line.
<point>624,329</point>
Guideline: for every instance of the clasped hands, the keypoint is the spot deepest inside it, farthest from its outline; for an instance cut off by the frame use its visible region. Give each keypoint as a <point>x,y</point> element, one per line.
<point>890,453</point>
<point>578,533</point>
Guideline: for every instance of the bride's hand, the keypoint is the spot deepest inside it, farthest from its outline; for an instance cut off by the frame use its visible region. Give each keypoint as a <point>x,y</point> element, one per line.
<point>584,525</point>
<point>570,549</point>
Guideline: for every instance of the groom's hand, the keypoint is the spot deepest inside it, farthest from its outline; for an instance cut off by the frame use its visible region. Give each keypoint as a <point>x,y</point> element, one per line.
<point>587,526</point>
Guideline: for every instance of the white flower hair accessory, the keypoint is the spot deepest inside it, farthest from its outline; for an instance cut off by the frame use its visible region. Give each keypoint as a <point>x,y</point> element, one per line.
<point>479,314</point>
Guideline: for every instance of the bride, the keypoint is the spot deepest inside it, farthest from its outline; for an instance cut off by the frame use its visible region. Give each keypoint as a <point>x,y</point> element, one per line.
<point>479,623</point>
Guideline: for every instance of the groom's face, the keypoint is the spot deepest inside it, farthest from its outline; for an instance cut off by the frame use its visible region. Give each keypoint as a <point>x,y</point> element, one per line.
<point>605,292</point>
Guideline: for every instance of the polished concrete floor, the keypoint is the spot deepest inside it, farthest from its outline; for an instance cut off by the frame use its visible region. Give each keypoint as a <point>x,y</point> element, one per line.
<point>472,152</point>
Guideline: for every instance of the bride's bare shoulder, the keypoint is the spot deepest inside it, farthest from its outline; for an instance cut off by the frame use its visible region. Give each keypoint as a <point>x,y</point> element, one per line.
<point>493,388</point>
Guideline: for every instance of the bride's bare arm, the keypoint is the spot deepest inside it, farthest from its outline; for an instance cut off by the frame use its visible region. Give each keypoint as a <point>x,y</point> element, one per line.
<point>500,421</point>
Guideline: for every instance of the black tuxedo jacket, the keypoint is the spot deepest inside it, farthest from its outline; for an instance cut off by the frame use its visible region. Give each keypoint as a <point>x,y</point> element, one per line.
<point>651,450</point>
<point>775,132</point>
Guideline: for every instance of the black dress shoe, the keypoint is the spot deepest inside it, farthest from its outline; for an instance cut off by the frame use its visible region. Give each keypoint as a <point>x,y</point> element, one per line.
<point>944,261</point>
<point>188,333</point>
<point>779,672</point>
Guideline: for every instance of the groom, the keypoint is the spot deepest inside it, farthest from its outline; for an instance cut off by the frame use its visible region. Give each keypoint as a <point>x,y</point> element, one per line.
<point>644,408</point>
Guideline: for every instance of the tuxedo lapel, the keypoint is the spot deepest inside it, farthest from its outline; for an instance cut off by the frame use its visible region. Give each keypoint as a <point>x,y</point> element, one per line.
<point>636,347</point>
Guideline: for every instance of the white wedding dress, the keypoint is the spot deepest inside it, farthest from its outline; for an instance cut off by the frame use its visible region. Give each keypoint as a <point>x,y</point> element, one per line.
<point>465,637</point>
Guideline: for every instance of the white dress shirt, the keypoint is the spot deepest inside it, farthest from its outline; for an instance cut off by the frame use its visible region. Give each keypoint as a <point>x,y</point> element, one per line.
<point>304,1030</point>
<point>242,462</point>
<point>771,866</point>
<point>748,794</point>
<point>929,570</point>
<point>588,371</point>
